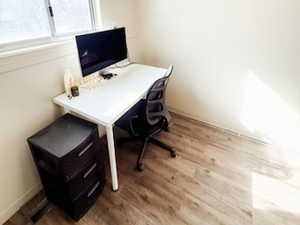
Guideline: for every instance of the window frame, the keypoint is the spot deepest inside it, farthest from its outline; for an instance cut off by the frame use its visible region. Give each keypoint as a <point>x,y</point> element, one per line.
<point>53,37</point>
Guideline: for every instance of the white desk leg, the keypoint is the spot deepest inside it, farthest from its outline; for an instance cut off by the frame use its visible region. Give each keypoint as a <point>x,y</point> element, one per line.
<point>112,157</point>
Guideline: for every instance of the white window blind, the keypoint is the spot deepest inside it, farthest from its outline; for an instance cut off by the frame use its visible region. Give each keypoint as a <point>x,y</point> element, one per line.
<point>23,20</point>
<point>71,16</point>
<point>33,20</point>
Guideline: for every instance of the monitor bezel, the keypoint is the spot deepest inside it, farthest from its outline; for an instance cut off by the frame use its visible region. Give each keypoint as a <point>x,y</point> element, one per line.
<point>91,33</point>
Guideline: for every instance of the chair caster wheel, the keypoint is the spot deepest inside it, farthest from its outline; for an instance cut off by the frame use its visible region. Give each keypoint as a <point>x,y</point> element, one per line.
<point>173,154</point>
<point>140,167</point>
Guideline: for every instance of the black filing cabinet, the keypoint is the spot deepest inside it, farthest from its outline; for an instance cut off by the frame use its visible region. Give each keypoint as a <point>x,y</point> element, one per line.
<point>70,162</point>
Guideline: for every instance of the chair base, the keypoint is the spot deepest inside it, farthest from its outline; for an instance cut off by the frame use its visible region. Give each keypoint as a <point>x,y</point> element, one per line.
<point>163,146</point>
<point>146,141</point>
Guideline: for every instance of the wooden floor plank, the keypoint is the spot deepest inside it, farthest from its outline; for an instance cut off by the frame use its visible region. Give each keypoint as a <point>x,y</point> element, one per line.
<point>217,179</point>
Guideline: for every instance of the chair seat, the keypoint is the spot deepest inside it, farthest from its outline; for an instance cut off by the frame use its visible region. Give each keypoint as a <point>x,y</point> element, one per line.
<point>143,129</point>
<point>139,123</point>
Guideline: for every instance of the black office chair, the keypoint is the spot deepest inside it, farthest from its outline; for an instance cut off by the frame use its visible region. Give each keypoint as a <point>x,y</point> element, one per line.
<point>147,118</point>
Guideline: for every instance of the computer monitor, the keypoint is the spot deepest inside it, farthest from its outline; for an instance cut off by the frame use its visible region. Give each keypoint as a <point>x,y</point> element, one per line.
<point>101,49</point>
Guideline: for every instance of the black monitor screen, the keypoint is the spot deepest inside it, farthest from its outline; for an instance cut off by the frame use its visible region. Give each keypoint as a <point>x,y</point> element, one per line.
<point>102,49</point>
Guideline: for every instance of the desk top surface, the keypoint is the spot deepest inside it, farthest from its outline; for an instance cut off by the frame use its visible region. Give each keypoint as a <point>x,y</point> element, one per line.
<point>108,102</point>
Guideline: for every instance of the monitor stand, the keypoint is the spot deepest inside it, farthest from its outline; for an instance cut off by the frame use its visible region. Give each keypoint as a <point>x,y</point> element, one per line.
<point>124,65</point>
<point>107,74</point>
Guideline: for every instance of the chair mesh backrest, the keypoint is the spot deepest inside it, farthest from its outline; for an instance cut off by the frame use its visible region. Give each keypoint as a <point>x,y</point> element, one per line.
<point>155,101</point>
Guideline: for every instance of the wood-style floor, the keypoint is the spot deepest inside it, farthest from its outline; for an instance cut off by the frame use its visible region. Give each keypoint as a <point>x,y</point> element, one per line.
<point>217,179</point>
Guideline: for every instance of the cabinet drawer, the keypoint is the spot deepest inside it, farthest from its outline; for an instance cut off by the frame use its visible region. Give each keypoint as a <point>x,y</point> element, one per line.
<point>87,177</point>
<point>86,200</point>
<point>78,159</point>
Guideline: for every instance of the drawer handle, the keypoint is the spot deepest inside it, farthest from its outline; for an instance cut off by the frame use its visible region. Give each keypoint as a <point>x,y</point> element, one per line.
<point>85,150</point>
<point>89,171</point>
<point>94,189</point>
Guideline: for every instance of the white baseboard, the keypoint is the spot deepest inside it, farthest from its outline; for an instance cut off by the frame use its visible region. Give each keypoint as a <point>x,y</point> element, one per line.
<point>14,207</point>
<point>224,129</point>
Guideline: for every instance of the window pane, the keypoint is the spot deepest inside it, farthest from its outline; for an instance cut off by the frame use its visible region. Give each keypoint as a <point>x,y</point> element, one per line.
<point>71,16</point>
<point>21,20</point>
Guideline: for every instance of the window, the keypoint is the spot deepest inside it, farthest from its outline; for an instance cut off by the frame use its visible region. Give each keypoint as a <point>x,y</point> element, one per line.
<point>33,20</point>
<point>71,16</point>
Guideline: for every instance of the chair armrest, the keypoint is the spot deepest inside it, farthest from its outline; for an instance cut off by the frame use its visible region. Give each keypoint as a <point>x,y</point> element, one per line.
<point>165,124</point>
<point>132,130</point>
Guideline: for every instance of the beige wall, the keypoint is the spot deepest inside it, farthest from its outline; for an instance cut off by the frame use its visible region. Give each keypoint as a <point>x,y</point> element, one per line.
<point>236,62</point>
<point>25,107</point>
<point>27,84</point>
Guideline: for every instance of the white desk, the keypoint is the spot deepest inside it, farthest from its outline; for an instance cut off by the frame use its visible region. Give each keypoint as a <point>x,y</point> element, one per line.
<point>107,103</point>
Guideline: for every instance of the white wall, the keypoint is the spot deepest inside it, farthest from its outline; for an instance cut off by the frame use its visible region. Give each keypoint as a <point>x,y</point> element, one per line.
<point>236,62</point>
<point>28,82</point>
